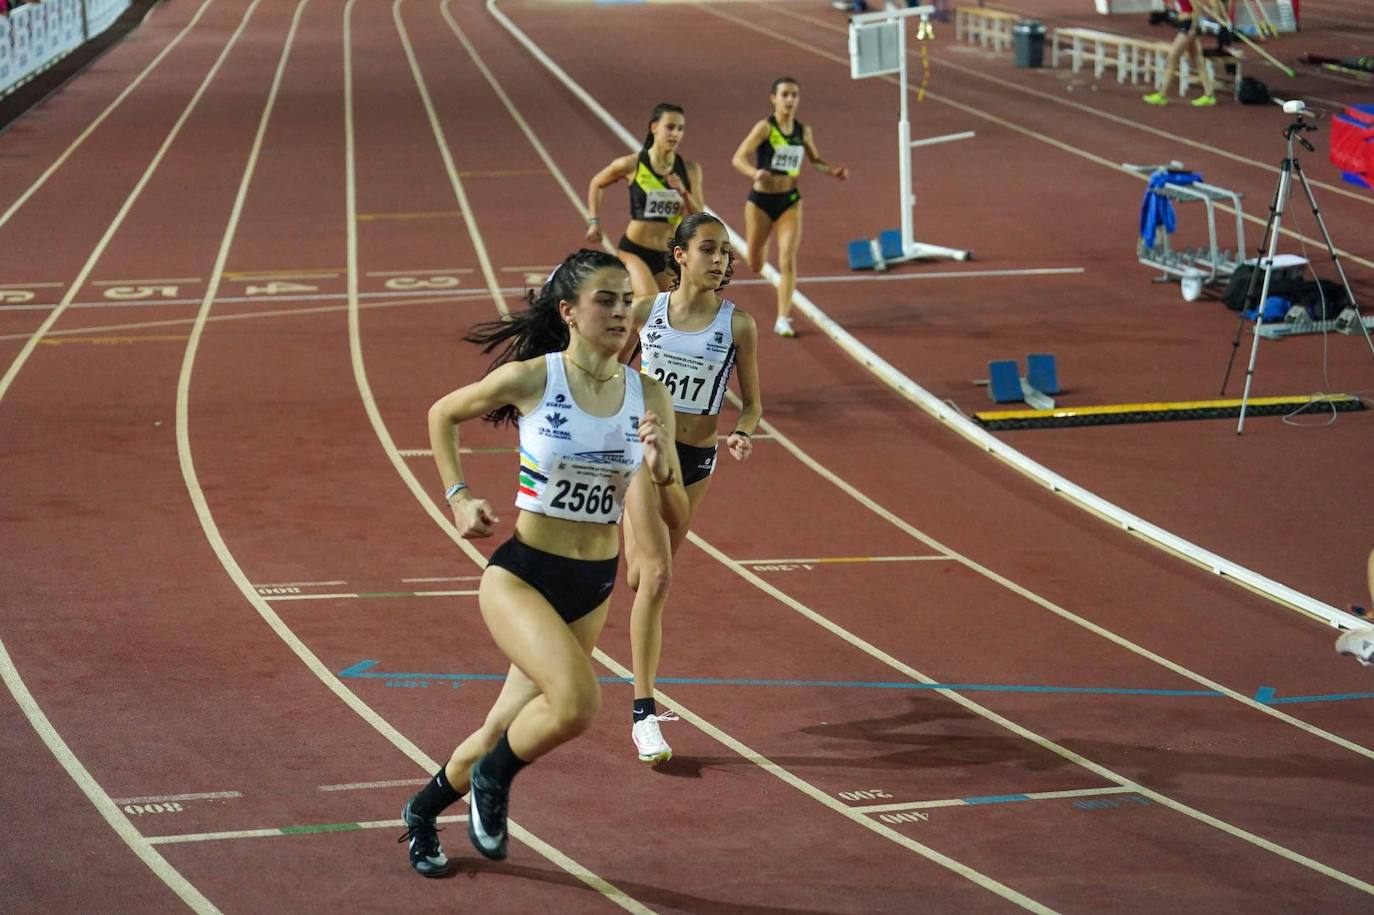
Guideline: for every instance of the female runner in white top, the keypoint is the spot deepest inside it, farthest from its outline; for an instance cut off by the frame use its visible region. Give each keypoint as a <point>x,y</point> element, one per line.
<point>691,340</point>
<point>589,429</point>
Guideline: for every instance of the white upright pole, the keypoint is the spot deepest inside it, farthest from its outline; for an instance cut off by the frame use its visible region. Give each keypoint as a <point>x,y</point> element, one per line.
<point>861,67</point>
<point>904,148</point>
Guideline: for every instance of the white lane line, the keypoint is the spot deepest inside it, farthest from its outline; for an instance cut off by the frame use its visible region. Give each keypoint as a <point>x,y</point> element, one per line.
<point>100,118</point>
<point>440,141</point>
<point>843,559</point>
<point>443,271</point>
<point>178,280</point>
<point>976,802</point>
<point>909,277</point>
<point>107,808</point>
<point>162,799</point>
<point>416,297</point>
<point>444,578</point>
<point>364,786</point>
<point>322,829</point>
<point>368,595</point>
<point>301,584</point>
<point>427,452</point>
<point>556,856</point>
<point>885,658</point>
<point>31,286</point>
<point>1170,136</point>
<point>244,316</point>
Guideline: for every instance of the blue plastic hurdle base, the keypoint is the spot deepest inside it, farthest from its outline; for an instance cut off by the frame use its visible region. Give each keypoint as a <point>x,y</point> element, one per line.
<point>861,255</point>
<point>1042,373</point>
<point>1007,385</point>
<point>1004,381</point>
<point>890,244</point>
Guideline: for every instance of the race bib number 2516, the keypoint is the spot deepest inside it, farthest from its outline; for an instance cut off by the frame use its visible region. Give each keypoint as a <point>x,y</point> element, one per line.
<point>788,158</point>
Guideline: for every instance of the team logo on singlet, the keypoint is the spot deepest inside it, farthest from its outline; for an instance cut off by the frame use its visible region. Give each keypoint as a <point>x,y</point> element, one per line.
<point>555,423</point>
<point>657,321</point>
<point>653,336</point>
<point>720,337</point>
<point>601,457</point>
<point>559,398</point>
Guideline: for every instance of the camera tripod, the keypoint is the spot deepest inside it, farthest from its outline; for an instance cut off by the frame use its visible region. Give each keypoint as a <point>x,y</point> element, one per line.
<point>1287,169</point>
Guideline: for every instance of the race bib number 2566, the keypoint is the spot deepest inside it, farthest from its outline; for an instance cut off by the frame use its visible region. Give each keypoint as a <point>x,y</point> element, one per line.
<point>579,491</point>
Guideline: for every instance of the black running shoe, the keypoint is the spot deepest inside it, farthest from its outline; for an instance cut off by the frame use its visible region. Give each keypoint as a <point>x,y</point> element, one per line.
<point>426,854</point>
<point>487,816</point>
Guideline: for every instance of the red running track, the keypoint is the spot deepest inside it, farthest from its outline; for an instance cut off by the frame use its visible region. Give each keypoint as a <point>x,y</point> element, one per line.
<point>168,574</point>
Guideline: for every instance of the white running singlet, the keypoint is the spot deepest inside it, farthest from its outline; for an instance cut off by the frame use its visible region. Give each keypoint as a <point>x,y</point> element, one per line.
<point>574,465</point>
<point>695,367</point>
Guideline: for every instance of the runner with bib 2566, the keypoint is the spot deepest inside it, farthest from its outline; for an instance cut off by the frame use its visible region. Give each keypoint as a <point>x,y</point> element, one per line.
<point>589,430</point>
<point>691,340</point>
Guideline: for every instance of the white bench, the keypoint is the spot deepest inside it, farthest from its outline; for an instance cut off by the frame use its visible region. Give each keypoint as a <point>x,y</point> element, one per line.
<point>1134,59</point>
<point>987,27</point>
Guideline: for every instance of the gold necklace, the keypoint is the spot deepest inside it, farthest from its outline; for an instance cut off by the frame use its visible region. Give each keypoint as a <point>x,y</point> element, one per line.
<point>589,373</point>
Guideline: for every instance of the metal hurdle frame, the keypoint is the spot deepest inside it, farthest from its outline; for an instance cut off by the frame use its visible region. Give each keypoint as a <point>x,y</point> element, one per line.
<point>870,32</point>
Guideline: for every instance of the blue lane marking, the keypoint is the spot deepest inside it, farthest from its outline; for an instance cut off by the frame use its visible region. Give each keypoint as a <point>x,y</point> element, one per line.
<point>996,799</point>
<point>1265,694</point>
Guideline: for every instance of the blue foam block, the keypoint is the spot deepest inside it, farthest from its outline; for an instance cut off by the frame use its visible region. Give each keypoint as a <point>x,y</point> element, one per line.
<point>861,255</point>
<point>890,243</point>
<point>1357,180</point>
<point>1004,381</point>
<point>1041,373</point>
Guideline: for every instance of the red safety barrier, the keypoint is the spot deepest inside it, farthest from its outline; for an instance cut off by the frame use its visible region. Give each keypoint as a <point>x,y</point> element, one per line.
<point>1352,144</point>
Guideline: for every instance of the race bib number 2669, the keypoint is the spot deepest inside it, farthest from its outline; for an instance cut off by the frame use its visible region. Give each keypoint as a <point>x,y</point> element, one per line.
<point>662,204</point>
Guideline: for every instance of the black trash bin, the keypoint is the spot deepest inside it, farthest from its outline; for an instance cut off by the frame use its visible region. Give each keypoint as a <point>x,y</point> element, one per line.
<point>1028,42</point>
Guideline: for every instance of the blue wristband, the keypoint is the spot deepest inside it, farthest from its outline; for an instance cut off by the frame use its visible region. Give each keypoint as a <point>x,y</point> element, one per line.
<point>454,490</point>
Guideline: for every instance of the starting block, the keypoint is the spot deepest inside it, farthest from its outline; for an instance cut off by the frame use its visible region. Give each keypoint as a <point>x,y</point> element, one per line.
<point>1006,384</point>
<point>875,253</point>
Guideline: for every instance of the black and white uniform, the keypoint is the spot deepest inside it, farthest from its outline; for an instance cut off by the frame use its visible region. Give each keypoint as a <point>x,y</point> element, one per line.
<point>577,467</point>
<point>695,368</point>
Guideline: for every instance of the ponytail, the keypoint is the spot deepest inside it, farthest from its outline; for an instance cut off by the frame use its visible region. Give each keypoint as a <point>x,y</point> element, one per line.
<point>539,329</point>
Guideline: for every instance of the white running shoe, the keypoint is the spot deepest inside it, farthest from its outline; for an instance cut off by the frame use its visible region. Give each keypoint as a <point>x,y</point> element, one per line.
<point>783,327</point>
<point>1358,644</point>
<point>649,740</point>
